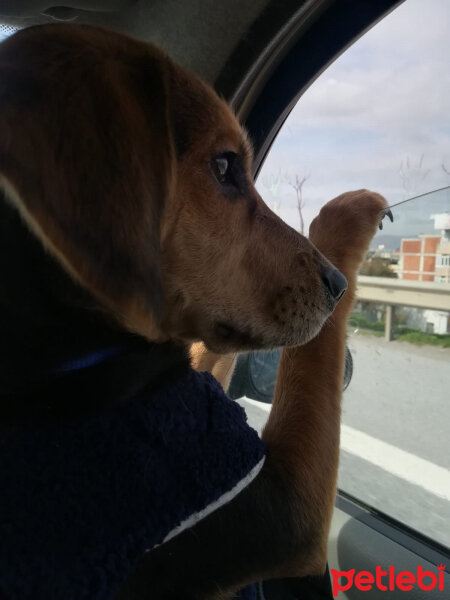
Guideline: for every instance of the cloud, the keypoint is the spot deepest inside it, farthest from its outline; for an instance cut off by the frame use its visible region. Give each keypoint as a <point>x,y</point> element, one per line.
<point>381,106</point>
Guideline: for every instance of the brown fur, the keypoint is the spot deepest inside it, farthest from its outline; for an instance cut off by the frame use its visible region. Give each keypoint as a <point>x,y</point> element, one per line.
<point>220,365</point>
<point>106,149</point>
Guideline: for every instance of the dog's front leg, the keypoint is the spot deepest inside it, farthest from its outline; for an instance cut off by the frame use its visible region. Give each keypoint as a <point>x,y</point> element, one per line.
<point>303,429</point>
<point>220,365</point>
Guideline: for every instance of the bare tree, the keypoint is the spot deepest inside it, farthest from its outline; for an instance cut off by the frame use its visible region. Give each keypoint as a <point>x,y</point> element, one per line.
<point>297,182</point>
<point>444,168</point>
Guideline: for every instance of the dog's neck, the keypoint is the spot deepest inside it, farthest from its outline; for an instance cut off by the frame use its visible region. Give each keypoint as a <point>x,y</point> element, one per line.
<point>59,352</point>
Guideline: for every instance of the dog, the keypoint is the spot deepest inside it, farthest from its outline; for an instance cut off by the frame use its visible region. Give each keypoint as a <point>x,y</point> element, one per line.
<point>131,230</point>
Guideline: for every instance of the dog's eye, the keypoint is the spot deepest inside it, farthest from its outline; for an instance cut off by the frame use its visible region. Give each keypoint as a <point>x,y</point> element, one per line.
<point>224,169</point>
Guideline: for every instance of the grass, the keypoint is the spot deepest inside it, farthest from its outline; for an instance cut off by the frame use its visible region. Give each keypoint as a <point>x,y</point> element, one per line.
<point>363,323</point>
<point>420,338</point>
<point>401,333</point>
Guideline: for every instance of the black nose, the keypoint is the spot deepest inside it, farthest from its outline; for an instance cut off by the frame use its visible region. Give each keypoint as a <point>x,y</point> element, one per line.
<point>335,282</point>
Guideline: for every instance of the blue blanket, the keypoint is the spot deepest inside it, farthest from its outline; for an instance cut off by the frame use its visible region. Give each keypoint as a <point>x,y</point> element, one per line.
<point>83,500</point>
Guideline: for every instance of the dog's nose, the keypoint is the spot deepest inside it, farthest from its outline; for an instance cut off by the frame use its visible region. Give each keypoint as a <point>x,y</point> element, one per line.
<point>335,283</point>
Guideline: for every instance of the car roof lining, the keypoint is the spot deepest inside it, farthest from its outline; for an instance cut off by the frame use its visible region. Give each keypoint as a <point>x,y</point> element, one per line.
<point>199,34</point>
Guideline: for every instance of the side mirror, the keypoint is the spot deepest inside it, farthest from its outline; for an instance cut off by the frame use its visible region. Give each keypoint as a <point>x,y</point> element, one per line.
<point>255,375</point>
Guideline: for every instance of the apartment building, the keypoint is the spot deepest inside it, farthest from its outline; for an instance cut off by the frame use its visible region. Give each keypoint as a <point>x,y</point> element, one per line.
<point>418,257</point>
<point>427,257</point>
<point>442,267</point>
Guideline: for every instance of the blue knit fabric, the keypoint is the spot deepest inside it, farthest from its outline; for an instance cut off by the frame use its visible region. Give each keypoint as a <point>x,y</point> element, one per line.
<point>81,501</point>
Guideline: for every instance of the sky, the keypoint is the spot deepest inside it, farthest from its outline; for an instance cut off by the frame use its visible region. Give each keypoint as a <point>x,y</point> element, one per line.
<point>378,118</point>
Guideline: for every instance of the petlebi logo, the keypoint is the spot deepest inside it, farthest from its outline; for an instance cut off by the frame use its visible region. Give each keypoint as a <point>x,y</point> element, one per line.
<point>388,580</point>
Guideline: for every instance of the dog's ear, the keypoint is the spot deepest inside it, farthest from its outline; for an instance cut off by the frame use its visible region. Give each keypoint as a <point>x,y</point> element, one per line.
<point>87,159</point>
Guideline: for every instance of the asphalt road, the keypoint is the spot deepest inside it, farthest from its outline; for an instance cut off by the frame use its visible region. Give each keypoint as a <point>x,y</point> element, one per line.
<point>395,436</point>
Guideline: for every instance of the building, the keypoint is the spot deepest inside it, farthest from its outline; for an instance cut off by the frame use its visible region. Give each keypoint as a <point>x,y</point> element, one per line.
<point>418,257</point>
<point>427,258</point>
<point>442,268</point>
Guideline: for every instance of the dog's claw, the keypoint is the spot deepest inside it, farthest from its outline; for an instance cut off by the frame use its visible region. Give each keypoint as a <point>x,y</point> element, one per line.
<point>386,212</point>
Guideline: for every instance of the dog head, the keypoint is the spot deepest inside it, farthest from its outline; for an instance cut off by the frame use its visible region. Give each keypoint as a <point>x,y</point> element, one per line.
<point>136,177</point>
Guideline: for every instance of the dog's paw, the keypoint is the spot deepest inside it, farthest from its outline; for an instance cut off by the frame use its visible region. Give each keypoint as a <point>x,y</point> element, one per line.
<point>346,225</point>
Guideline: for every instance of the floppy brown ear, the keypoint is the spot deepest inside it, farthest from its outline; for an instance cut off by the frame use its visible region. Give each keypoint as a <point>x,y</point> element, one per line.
<point>86,158</point>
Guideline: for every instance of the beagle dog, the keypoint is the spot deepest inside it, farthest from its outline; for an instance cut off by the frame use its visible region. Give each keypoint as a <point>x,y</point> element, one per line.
<point>130,230</point>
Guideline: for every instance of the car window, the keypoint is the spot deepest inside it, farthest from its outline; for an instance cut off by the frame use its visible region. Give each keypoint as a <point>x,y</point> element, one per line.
<point>378,118</point>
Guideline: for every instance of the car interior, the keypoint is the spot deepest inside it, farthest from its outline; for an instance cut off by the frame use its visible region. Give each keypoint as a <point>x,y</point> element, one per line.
<point>261,56</point>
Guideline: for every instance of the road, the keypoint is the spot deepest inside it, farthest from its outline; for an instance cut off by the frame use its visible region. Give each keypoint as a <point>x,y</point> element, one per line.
<point>395,436</point>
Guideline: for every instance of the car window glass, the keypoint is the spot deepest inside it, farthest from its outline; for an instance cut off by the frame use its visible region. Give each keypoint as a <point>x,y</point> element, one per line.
<point>378,118</point>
